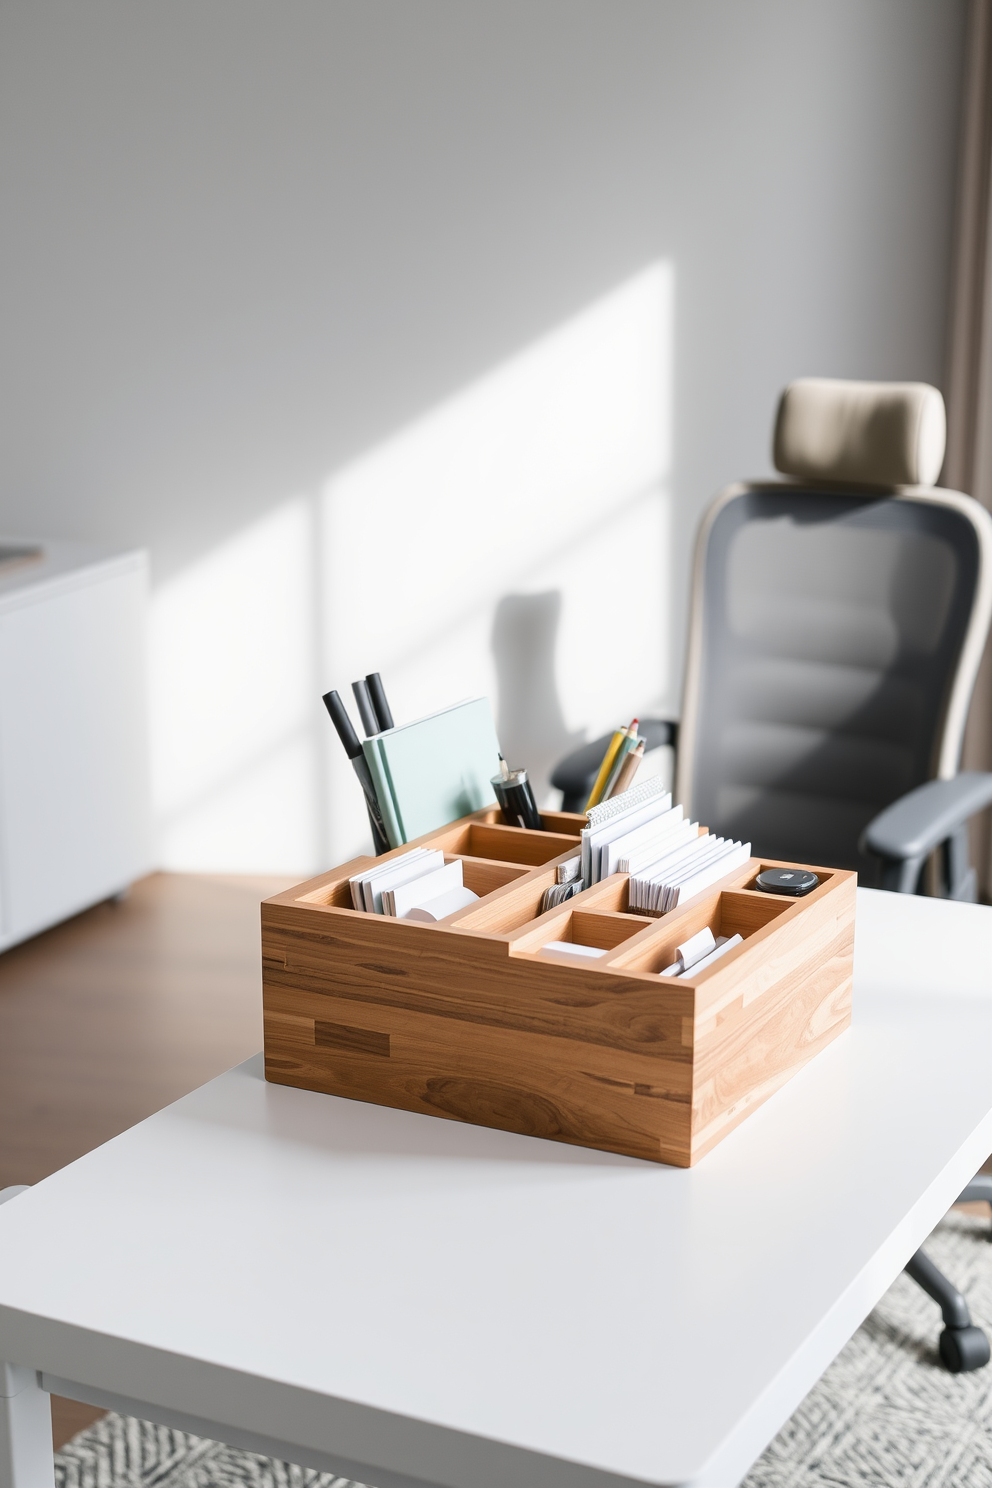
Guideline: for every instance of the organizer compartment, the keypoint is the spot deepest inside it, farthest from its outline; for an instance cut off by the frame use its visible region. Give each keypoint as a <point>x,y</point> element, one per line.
<point>512,912</point>
<point>506,844</point>
<point>465,1019</point>
<point>580,926</point>
<point>505,912</point>
<point>335,894</point>
<point>730,912</point>
<point>566,822</point>
<point>482,875</point>
<point>610,896</point>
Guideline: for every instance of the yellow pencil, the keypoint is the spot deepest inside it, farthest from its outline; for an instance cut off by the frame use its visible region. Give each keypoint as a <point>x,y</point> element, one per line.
<point>606,767</point>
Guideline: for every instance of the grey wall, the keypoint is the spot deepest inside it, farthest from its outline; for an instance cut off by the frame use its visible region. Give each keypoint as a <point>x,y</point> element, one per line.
<point>242,244</point>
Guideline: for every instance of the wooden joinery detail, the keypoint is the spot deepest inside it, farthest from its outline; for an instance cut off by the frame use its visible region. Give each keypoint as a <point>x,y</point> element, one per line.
<point>354,1040</point>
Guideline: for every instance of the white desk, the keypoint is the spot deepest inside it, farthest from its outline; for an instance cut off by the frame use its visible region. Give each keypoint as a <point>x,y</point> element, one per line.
<point>401,1298</point>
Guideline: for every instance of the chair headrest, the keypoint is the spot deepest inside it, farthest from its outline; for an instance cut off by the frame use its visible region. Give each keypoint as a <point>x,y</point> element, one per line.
<point>868,433</point>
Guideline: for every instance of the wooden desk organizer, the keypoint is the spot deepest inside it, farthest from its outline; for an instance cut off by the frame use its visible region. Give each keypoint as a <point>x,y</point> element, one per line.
<point>465,1019</point>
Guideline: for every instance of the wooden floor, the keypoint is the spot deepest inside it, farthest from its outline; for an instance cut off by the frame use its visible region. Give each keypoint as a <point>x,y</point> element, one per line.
<point>113,1015</point>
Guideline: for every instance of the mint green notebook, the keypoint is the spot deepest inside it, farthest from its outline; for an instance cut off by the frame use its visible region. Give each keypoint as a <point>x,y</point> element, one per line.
<point>383,793</point>
<point>435,770</point>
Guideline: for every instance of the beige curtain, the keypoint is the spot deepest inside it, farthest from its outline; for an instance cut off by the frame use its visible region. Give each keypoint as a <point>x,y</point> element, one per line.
<point>968,466</point>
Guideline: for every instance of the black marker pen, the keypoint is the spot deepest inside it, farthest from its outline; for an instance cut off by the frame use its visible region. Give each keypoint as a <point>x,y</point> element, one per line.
<point>353,749</point>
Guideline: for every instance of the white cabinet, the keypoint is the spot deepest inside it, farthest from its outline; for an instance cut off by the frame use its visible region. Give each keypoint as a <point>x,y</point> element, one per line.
<point>74,790</point>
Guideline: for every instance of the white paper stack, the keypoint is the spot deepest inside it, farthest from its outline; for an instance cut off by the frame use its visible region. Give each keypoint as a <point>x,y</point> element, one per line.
<point>416,880</point>
<point>400,900</point>
<point>641,833</point>
<point>684,870</point>
<point>444,905</point>
<point>647,806</point>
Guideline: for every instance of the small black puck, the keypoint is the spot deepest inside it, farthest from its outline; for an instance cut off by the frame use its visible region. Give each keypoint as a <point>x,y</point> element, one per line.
<point>792,881</point>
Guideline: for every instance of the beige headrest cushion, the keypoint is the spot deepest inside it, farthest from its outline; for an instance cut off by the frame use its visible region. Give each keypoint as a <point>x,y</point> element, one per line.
<point>874,433</point>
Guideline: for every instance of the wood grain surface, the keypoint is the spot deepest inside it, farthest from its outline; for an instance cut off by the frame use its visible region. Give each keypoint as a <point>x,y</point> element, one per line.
<point>109,1017</point>
<point>467,1019</point>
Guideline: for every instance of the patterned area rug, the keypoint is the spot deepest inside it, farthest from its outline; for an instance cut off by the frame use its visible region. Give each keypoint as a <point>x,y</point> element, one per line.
<point>885,1414</point>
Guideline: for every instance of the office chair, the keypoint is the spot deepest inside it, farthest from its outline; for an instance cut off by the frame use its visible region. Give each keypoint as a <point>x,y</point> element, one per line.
<point>837,621</point>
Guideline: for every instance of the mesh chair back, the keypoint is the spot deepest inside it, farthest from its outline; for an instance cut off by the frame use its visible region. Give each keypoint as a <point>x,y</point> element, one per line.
<point>825,670</point>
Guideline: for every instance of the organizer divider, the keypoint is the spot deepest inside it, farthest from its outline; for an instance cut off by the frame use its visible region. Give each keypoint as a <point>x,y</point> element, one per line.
<point>485,875</point>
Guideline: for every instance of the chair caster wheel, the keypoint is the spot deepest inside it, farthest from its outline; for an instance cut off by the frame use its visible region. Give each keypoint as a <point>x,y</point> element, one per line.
<point>962,1349</point>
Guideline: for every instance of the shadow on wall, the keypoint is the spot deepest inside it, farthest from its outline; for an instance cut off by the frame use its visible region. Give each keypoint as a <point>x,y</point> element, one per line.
<point>530,721</point>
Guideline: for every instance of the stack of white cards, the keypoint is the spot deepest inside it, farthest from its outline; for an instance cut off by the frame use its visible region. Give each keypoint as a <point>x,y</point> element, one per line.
<point>685,871</point>
<point>643,834</point>
<point>417,885</point>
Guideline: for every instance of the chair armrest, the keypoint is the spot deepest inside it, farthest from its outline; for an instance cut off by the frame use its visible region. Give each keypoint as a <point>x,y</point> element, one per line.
<point>924,818</point>
<point>576,774</point>
<point>905,833</point>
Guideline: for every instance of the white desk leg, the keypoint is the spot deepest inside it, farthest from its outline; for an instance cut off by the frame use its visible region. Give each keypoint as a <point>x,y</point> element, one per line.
<point>26,1457</point>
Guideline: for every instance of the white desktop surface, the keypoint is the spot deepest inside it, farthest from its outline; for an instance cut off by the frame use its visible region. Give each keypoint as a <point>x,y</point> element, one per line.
<point>412,1298</point>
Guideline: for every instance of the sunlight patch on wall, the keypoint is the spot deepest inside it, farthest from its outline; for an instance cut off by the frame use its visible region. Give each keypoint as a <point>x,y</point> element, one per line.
<point>512,542</point>
<point>234,766</point>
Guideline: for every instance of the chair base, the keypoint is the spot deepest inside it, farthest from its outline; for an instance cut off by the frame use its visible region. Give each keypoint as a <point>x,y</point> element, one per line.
<point>963,1347</point>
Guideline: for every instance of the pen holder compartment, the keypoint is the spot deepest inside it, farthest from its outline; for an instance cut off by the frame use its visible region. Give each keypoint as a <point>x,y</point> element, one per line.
<point>467,1018</point>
